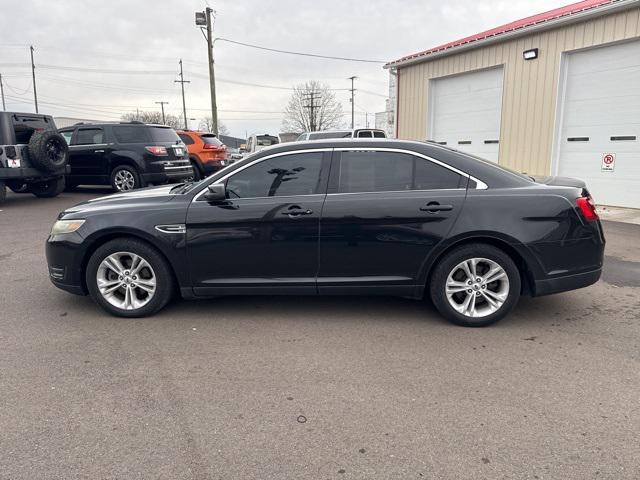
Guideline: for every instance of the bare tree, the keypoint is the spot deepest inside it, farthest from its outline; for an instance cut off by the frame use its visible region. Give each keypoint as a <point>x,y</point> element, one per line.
<point>206,124</point>
<point>144,116</point>
<point>312,107</point>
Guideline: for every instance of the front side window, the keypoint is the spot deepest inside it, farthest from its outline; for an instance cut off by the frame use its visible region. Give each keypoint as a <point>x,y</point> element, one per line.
<point>375,171</point>
<point>67,136</point>
<point>296,174</point>
<point>89,136</point>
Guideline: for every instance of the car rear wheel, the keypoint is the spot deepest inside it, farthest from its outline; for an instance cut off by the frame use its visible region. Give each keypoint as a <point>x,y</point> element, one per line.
<point>47,189</point>
<point>475,285</point>
<point>197,174</point>
<point>3,192</point>
<point>125,178</point>
<point>129,278</point>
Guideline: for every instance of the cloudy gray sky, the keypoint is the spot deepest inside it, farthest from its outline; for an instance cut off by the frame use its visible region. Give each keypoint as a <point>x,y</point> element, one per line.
<point>98,59</point>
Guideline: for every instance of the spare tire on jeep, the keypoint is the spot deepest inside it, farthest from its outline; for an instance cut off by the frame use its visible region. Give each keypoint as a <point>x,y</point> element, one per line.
<point>48,151</point>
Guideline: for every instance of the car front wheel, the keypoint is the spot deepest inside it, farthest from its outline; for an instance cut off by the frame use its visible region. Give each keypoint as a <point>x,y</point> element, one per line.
<point>129,278</point>
<point>475,285</point>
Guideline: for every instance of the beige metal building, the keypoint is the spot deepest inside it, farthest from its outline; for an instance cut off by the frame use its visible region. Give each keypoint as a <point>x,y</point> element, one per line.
<point>557,93</point>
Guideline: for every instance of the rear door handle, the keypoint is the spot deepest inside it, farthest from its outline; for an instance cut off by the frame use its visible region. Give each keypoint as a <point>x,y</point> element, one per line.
<point>433,207</point>
<point>296,211</point>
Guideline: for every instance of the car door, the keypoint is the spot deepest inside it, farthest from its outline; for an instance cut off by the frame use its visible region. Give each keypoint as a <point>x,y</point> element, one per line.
<point>86,154</point>
<point>385,210</point>
<point>264,237</point>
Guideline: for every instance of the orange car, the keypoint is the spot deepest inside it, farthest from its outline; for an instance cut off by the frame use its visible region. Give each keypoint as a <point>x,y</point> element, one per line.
<point>207,153</point>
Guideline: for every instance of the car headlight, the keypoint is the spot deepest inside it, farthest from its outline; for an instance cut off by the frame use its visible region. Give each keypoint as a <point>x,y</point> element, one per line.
<point>66,226</point>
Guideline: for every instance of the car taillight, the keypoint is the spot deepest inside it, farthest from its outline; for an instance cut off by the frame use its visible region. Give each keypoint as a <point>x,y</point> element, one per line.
<point>587,208</point>
<point>210,146</point>
<point>157,151</point>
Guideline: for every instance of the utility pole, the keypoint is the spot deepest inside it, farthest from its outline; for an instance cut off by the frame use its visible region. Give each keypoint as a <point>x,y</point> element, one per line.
<point>212,75</point>
<point>162,104</point>
<point>353,103</point>
<point>33,73</point>
<point>4,107</point>
<point>312,106</point>
<point>182,81</point>
<point>206,19</point>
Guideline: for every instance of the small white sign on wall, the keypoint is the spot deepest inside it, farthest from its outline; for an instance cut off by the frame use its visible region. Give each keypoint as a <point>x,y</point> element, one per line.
<point>608,162</point>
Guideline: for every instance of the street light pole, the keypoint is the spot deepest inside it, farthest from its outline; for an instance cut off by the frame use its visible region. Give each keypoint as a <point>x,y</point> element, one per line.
<point>352,101</point>
<point>162,104</point>
<point>33,73</point>
<point>182,81</point>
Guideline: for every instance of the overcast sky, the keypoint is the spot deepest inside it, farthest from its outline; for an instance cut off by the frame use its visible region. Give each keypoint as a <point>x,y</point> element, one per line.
<point>137,44</point>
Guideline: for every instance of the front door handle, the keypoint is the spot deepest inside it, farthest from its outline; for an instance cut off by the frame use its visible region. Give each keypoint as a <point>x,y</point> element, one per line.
<point>98,151</point>
<point>433,207</point>
<point>296,211</point>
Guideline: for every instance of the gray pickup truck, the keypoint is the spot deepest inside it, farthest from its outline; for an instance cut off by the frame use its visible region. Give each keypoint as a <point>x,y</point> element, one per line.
<point>33,155</point>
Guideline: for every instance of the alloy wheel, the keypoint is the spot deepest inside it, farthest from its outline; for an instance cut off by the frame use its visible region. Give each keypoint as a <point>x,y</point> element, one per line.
<point>126,280</point>
<point>477,287</point>
<point>124,180</point>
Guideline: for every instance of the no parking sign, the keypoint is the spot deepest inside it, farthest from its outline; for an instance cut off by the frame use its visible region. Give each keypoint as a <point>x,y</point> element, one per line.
<point>608,162</point>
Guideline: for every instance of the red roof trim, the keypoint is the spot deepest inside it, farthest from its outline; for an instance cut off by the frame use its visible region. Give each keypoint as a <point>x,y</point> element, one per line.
<point>512,26</point>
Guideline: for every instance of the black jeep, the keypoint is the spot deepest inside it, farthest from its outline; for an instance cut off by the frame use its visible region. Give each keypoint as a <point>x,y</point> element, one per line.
<point>33,155</point>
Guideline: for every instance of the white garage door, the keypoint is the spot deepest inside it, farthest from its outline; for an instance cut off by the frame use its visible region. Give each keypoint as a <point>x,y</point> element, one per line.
<point>601,115</point>
<point>465,112</point>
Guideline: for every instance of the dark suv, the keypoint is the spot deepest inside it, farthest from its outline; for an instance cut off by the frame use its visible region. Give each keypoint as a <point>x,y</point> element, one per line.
<point>125,155</point>
<point>33,155</point>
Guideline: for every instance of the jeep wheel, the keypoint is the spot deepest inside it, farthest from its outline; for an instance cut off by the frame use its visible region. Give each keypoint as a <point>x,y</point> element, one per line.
<point>47,189</point>
<point>125,178</point>
<point>3,192</point>
<point>48,151</point>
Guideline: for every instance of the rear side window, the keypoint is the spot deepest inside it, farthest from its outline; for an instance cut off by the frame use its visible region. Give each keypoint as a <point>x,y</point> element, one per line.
<point>296,174</point>
<point>379,135</point>
<point>163,134</point>
<point>89,136</point>
<point>67,136</point>
<point>364,134</point>
<point>130,134</point>
<point>186,139</point>
<point>211,140</point>
<point>371,171</point>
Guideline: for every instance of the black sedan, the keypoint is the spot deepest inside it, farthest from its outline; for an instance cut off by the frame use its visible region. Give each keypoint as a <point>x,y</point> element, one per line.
<point>359,217</point>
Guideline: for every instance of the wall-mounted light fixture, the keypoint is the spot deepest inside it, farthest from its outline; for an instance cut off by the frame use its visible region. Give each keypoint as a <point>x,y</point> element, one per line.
<point>530,54</point>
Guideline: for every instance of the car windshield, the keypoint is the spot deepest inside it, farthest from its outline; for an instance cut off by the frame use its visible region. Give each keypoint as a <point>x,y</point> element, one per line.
<point>211,139</point>
<point>323,135</point>
<point>164,134</point>
<point>267,140</point>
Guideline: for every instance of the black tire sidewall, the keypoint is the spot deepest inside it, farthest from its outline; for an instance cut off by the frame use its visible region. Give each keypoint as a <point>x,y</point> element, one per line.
<point>38,154</point>
<point>137,183</point>
<point>3,191</point>
<point>197,173</point>
<point>49,188</point>
<point>458,255</point>
<point>164,277</point>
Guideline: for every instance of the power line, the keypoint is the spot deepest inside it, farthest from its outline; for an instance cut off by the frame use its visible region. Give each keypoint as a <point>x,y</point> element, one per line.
<point>289,52</point>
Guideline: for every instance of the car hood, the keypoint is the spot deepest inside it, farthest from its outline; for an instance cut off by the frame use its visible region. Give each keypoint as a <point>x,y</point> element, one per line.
<point>560,181</point>
<point>134,199</point>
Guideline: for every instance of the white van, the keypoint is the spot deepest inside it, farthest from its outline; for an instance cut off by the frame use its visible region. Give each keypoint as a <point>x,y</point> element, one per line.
<point>256,142</point>
<point>354,133</point>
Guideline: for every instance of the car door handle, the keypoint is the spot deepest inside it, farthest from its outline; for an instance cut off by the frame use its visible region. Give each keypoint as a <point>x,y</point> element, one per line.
<point>98,151</point>
<point>433,207</point>
<point>296,211</point>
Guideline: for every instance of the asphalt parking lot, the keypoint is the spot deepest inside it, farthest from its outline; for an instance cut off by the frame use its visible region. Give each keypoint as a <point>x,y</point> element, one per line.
<point>278,388</point>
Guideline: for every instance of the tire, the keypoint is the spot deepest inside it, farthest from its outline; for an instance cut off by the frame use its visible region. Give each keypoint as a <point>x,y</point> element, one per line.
<point>18,186</point>
<point>3,192</point>
<point>197,173</point>
<point>125,178</point>
<point>480,303</point>
<point>48,151</point>
<point>47,189</point>
<point>122,252</point>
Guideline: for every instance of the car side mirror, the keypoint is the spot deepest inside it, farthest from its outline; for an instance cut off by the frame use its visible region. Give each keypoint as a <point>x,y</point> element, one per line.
<point>216,192</point>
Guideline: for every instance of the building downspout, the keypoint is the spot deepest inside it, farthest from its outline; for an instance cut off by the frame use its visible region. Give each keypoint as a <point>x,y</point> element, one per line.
<point>396,73</point>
